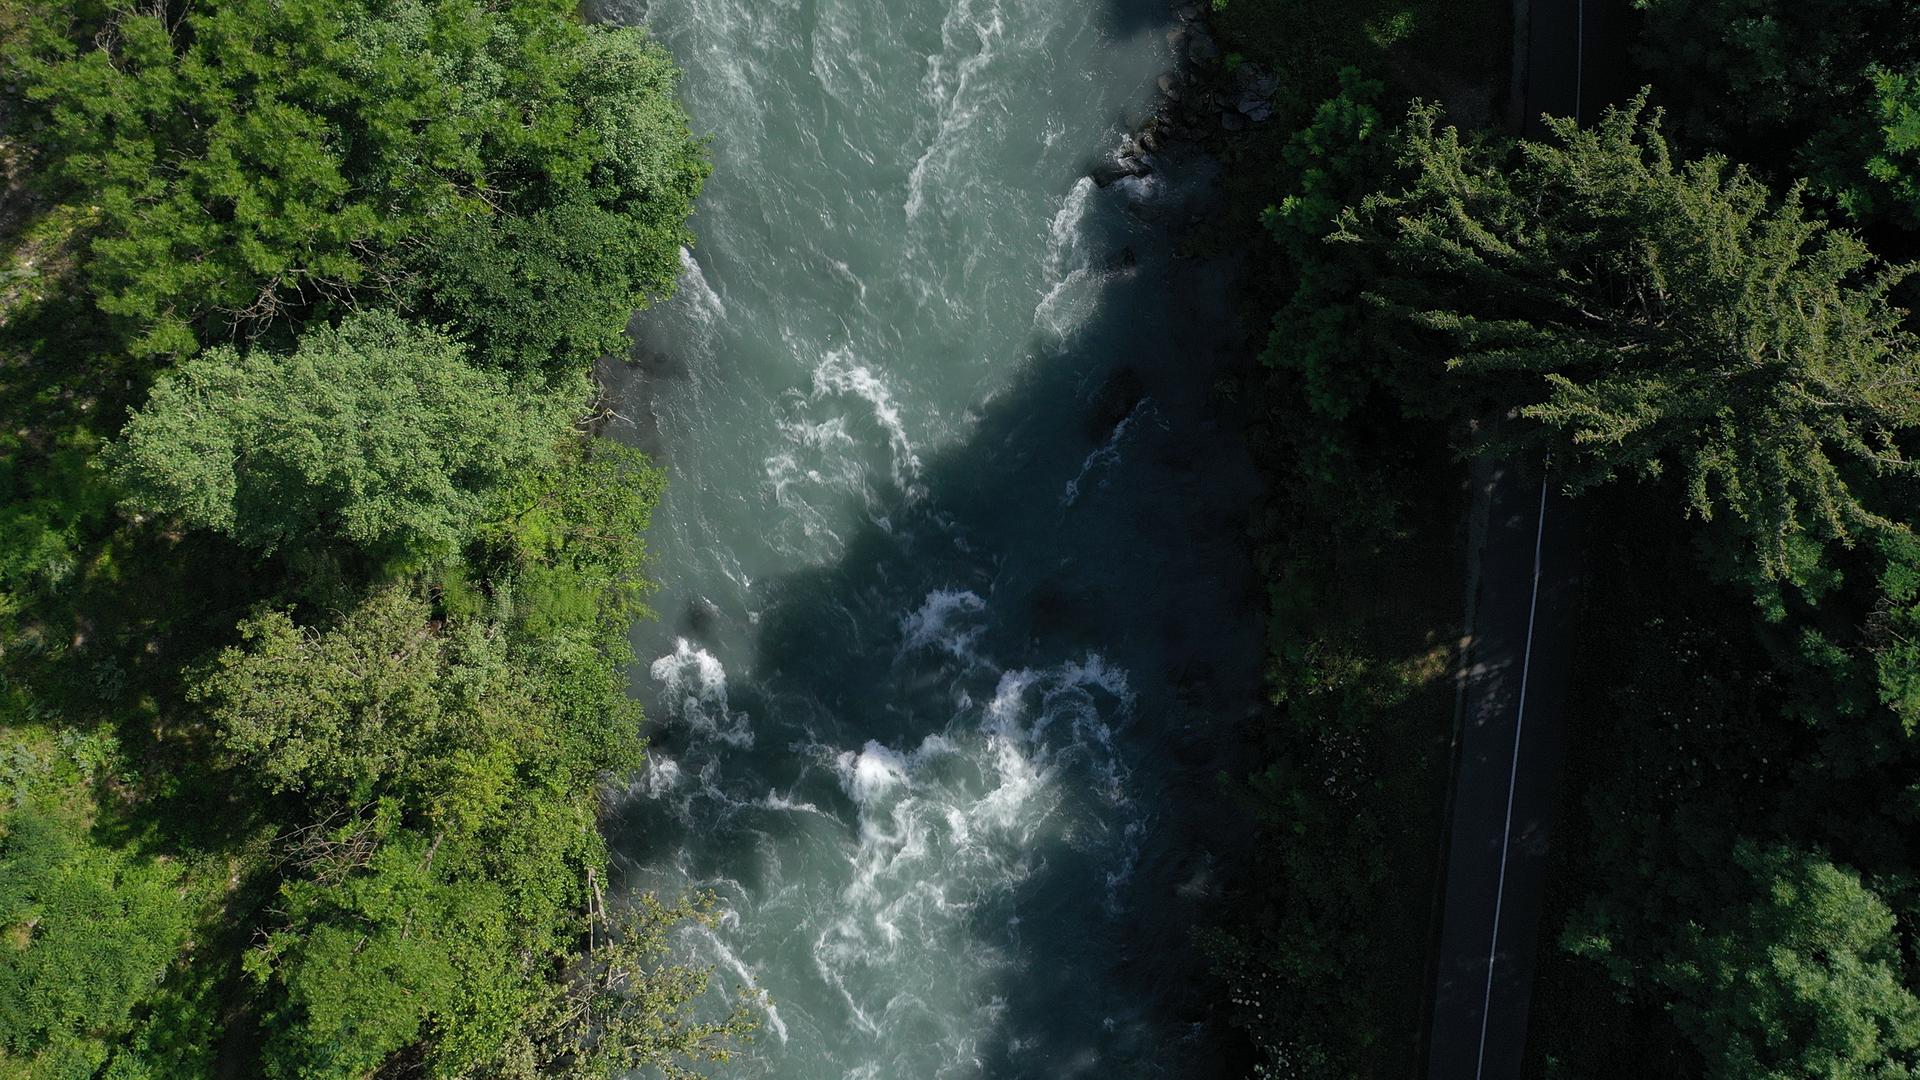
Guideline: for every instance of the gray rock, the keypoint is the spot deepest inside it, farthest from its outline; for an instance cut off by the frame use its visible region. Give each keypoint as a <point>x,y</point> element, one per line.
<point>1256,108</point>
<point>1202,50</point>
<point>1252,80</point>
<point>1232,121</point>
<point>1108,172</point>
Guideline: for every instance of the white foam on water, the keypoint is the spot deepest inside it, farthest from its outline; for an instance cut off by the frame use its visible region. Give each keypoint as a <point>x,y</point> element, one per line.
<point>839,374</point>
<point>954,825</point>
<point>934,624</point>
<point>703,305</point>
<point>1069,282</point>
<point>1066,233</point>
<point>949,87</point>
<point>776,801</point>
<point>871,772</point>
<point>817,455</point>
<point>1120,874</point>
<point>748,977</point>
<point>839,436</point>
<point>1141,189</point>
<point>693,688</point>
<point>1104,456</point>
<point>662,775</point>
<point>877,882</point>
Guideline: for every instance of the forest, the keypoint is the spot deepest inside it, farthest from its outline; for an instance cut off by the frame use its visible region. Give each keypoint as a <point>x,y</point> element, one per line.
<point>317,579</point>
<point>314,586</point>
<point>1697,306</point>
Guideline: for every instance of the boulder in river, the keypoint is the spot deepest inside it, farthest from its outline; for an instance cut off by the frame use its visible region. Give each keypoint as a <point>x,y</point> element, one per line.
<point>1110,170</point>
<point>1115,401</point>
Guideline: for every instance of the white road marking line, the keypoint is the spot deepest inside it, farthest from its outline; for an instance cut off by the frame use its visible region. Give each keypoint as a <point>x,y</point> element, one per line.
<point>1513,776</point>
<point>1579,54</point>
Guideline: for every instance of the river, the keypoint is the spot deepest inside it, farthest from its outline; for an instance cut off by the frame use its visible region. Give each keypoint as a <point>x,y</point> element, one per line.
<point>957,614</point>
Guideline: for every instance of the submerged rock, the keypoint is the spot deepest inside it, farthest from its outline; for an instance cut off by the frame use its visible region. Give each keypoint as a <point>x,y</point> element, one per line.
<point>703,617</point>
<point>1116,399</point>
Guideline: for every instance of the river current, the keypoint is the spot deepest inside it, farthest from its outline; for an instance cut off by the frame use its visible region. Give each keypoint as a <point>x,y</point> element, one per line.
<point>956,613</point>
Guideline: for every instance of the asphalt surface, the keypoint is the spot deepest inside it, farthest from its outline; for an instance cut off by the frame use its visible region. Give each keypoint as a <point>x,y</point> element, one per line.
<point>1511,724</point>
<point>1508,751</point>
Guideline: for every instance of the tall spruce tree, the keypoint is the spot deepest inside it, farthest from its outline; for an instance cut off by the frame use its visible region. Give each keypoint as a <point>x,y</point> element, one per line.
<point>1646,316</point>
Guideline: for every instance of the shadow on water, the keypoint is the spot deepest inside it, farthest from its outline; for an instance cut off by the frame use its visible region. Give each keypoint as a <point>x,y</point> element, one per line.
<point>1124,18</point>
<point>1144,562</point>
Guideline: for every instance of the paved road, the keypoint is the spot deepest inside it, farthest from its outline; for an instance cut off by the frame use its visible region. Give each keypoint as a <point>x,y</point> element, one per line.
<point>1508,752</point>
<point>1514,680</point>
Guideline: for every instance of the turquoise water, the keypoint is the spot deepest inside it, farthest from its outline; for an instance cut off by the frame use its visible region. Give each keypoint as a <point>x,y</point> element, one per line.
<point>956,613</point>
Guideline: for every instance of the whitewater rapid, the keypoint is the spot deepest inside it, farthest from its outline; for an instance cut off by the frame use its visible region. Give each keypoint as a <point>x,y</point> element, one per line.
<point>954,605</point>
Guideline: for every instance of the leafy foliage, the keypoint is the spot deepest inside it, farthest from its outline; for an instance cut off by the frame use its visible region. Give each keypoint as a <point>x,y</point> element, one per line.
<point>255,161</point>
<point>446,755</point>
<point>1648,315</point>
<point>1800,976</point>
<point>363,252</point>
<point>1336,158</point>
<point>378,703</point>
<point>1600,299</point>
<point>85,933</point>
<point>620,1010</point>
<point>1804,979</point>
<point>1827,88</point>
<point>377,434</point>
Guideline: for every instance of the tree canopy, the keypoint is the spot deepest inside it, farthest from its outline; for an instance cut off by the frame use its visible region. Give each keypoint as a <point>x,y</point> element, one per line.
<point>252,162</point>
<point>377,434</point>
<point>321,282</point>
<point>1829,89</point>
<point>86,933</point>
<point>1646,315</point>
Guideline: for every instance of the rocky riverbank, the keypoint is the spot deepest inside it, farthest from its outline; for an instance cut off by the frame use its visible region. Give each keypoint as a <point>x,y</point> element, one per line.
<point>1206,95</point>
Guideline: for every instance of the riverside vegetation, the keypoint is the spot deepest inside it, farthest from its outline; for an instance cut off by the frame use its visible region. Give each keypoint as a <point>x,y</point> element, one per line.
<point>1695,305</point>
<point>314,592</point>
<point>313,589</point>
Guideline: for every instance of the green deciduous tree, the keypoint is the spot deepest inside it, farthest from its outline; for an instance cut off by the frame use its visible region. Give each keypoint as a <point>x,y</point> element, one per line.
<point>1805,978</point>
<point>379,703</point>
<point>253,161</point>
<point>85,933</point>
<point>1646,315</point>
<point>626,1008</point>
<point>377,434</point>
<point>1827,88</point>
